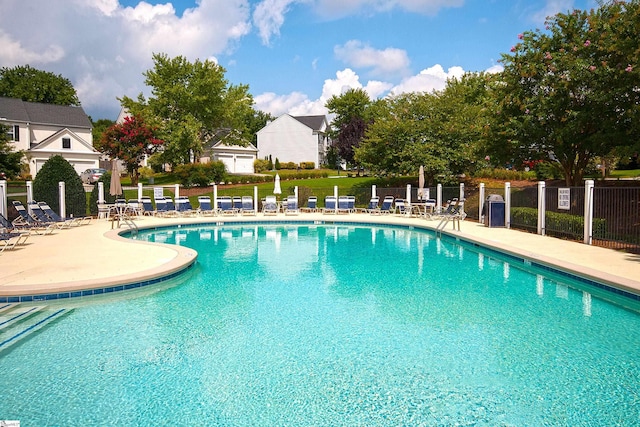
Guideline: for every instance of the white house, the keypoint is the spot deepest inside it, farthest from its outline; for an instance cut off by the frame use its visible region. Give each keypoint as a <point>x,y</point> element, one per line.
<point>295,139</point>
<point>46,130</point>
<point>236,158</point>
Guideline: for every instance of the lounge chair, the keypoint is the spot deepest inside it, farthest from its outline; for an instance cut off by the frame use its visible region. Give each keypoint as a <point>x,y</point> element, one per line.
<point>330,205</point>
<point>292,206</point>
<point>372,206</point>
<point>247,206</point>
<point>26,220</point>
<point>401,207</point>
<point>204,206</point>
<point>343,205</point>
<point>270,206</point>
<point>161,206</point>
<point>171,207</point>
<point>225,204</point>
<point>312,205</point>
<point>237,203</point>
<point>147,206</point>
<point>386,207</point>
<point>134,207</point>
<point>7,227</point>
<point>183,206</point>
<point>12,239</point>
<point>56,218</point>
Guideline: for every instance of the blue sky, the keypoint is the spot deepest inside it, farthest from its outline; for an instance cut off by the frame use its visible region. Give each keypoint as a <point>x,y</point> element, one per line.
<point>293,54</point>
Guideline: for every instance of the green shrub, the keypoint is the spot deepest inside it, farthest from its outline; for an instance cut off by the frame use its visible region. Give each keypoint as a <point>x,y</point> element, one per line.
<point>200,174</point>
<point>557,221</point>
<point>505,174</point>
<point>155,162</point>
<point>45,186</point>
<point>548,170</point>
<point>307,165</point>
<point>270,163</point>
<point>260,166</point>
<point>277,164</point>
<point>146,172</point>
<point>108,198</point>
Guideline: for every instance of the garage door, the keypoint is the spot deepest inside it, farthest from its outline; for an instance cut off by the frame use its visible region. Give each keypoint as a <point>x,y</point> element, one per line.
<point>244,164</point>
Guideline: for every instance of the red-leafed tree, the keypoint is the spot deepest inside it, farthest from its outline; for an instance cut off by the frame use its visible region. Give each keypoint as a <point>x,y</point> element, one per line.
<point>129,142</point>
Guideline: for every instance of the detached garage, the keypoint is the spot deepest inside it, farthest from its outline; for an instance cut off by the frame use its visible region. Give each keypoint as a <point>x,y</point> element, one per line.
<point>236,158</point>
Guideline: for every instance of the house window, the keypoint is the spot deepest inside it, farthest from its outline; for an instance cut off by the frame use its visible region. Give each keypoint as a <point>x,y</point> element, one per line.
<point>66,142</point>
<point>14,133</point>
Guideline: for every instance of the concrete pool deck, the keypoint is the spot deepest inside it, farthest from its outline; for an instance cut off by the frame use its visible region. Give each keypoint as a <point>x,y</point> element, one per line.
<point>95,256</point>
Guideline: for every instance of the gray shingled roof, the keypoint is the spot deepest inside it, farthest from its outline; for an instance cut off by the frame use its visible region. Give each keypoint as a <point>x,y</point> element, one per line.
<point>17,110</point>
<point>314,122</point>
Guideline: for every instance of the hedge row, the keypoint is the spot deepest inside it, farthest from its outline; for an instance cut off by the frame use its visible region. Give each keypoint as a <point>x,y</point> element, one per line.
<point>556,221</point>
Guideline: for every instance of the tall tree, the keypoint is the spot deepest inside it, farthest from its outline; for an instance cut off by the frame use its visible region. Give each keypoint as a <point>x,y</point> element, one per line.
<point>570,94</point>
<point>439,130</point>
<point>191,102</point>
<point>129,142</point>
<point>10,160</point>
<point>350,123</point>
<point>32,85</point>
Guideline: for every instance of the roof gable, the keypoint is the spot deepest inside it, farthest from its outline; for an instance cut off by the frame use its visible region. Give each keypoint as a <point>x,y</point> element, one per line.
<point>16,110</point>
<point>44,144</point>
<point>317,123</point>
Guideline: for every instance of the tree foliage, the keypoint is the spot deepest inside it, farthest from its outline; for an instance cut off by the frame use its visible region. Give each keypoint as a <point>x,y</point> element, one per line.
<point>352,117</point>
<point>130,142</point>
<point>440,131</point>
<point>570,93</point>
<point>46,186</point>
<point>191,102</point>
<point>32,85</point>
<point>10,160</point>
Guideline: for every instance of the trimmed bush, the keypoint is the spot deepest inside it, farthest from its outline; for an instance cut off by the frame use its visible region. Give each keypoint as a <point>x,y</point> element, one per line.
<point>548,170</point>
<point>557,222</point>
<point>200,174</point>
<point>260,166</point>
<point>45,187</point>
<point>307,165</point>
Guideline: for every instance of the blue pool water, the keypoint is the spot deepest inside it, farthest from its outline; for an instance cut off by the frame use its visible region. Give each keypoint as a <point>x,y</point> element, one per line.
<point>333,325</point>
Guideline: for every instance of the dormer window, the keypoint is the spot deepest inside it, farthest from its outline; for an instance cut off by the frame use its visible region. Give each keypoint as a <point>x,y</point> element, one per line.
<point>66,143</point>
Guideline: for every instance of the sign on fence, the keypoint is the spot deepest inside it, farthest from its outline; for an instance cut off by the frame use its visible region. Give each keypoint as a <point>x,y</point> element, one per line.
<point>564,198</point>
<point>158,192</point>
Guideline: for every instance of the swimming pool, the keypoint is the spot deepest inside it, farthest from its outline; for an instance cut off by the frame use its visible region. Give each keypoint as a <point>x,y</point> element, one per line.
<point>334,325</point>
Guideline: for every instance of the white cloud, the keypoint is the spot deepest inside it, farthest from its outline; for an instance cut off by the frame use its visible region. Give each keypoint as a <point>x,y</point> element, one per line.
<point>551,8</point>
<point>104,48</point>
<point>428,80</point>
<point>14,53</point>
<point>268,17</point>
<point>334,9</point>
<point>298,104</point>
<point>385,62</point>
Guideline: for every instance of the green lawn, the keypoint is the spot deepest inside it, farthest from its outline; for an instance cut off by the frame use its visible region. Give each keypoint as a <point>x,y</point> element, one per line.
<point>625,174</point>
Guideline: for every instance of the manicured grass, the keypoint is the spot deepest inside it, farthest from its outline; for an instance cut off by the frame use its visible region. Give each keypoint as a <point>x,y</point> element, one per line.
<point>635,173</point>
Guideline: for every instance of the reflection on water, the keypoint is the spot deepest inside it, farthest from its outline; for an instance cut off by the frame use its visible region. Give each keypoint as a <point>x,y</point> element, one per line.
<point>335,325</point>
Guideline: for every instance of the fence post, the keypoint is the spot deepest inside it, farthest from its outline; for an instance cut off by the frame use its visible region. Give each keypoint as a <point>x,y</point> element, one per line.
<point>373,191</point>
<point>100,192</point>
<point>3,198</point>
<point>409,194</point>
<point>177,191</point>
<point>541,207</point>
<point>439,198</point>
<point>507,204</point>
<point>255,198</point>
<point>481,201</point>
<point>215,198</point>
<point>461,198</point>
<point>139,192</point>
<point>588,211</point>
<point>295,192</point>
<point>61,192</point>
<point>335,191</point>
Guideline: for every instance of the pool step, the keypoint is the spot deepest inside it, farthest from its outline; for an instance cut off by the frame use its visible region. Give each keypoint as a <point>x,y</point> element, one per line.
<point>18,322</point>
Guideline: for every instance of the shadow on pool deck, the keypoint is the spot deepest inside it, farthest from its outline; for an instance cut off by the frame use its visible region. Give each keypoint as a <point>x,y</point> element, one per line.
<point>94,255</point>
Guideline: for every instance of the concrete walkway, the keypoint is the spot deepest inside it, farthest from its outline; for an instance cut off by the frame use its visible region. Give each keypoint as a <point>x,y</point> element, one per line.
<point>95,256</point>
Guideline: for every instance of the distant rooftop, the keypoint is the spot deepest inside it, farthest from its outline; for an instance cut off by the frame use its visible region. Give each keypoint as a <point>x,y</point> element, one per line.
<point>17,110</point>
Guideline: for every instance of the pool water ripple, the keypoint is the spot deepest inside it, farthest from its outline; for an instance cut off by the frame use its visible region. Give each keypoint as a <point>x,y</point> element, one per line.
<point>334,325</point>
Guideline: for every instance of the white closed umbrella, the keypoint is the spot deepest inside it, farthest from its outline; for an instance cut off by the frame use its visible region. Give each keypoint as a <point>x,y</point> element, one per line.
<point>115,188</point>
<point>421,183</point>
<point>276,186</point>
